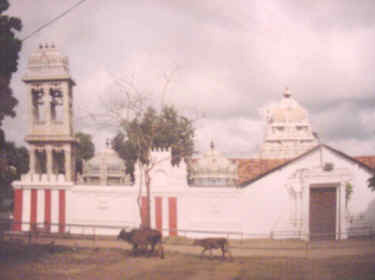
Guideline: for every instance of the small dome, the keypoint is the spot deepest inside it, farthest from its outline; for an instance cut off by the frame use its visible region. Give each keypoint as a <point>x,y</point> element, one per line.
<point>287,111</point>
<point>107,159</point>
<point>213,169</point>
<point>105,168</point>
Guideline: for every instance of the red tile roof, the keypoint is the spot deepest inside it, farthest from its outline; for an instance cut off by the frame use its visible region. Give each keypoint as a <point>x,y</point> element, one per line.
<point>367,160</point>
<point>249,169</point>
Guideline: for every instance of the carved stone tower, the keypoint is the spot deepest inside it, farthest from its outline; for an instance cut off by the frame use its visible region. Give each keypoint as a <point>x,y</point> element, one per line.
<point>288,130</point>
<point>50,100</point>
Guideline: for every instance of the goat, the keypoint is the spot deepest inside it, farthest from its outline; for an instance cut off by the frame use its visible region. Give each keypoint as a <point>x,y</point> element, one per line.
<point>141,238</point>
<point>213,243</point>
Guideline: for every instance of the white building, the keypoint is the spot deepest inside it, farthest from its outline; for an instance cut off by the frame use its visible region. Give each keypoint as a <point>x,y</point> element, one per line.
<point>297,188</point>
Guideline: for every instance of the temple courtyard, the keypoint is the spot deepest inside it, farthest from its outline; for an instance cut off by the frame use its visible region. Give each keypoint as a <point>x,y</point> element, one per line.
<point>110,259</point>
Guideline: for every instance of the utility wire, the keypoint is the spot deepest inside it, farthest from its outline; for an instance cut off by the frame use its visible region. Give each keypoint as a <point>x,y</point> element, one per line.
<point>40,28</point>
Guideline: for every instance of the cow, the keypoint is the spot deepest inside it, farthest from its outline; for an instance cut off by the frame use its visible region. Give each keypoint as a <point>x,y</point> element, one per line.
<point>213,243</point>
<point>141,238</point>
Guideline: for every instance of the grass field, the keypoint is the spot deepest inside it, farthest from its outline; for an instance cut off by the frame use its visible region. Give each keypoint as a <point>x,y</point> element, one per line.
<point>19,260</point>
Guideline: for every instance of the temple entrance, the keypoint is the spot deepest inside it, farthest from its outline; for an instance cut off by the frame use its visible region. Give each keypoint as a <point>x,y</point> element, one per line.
<point>322,213</point>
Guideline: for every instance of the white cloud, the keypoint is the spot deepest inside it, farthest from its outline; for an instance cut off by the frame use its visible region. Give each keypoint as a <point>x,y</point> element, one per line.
<point>233,58</point>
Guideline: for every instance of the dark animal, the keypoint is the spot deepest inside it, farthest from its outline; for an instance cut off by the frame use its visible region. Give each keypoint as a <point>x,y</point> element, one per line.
<point>213,243</point>
<point>141,238</point>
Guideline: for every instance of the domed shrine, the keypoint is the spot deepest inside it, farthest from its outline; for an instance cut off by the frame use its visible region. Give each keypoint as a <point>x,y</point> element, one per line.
<point>213,169</point>
<point>105,168</point>
<point>288,130</point>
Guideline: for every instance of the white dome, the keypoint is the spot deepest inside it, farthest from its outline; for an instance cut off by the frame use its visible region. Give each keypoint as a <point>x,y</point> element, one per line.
<point>287,111</point>
<point>104,168</point>
<point>213,169</point>
<point>288,132</point>
<point>108,159</point>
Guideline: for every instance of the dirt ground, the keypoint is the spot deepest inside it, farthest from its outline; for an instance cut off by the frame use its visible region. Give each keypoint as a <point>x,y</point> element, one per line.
<point>68,259</point>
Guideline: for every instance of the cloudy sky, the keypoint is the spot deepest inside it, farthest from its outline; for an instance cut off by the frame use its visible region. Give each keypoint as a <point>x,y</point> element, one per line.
<point>226,60</point>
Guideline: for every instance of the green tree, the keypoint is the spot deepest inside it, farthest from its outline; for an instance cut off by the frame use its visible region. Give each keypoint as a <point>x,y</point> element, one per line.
<point>9,54</point>
<point>15,161</point>
<point>148,130</point>
<point>165,129</point>
<point>10,47</point>
<point>144,127</point>
<point>127,151</point>
<point>85,149</point>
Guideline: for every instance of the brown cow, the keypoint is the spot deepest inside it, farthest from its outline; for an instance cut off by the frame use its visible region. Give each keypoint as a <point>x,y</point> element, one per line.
<point>141,238</point>
<point>213,243</point>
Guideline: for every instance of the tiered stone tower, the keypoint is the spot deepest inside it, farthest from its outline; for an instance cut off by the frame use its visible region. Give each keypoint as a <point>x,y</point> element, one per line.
<point>50,100</point>
<point>288,130</point>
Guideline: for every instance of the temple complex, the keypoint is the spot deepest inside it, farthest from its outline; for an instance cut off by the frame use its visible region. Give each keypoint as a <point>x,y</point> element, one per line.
<point>296,188</point>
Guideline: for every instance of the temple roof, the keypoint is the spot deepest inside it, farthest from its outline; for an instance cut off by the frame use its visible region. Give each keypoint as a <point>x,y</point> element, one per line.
<point>107,160</point>
<point>47,62</point>
<point>288,110</point>
<point>250,170</point>
<point>213,164</point>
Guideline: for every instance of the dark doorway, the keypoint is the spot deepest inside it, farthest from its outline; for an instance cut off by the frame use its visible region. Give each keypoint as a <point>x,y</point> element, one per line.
<point>322,213</point>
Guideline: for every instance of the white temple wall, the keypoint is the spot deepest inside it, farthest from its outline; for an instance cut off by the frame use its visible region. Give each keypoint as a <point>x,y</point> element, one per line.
<point>362,196</point>
<point>95,206</point>
<point>268,207</point>
<point>361,204</point>
<point>264,209</point>
<point>210,212</point>
<point>283,214</point>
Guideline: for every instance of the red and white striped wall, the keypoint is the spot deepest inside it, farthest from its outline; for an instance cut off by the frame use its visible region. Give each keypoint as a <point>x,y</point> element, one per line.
<point>44,208</point>
<point>163,214</point>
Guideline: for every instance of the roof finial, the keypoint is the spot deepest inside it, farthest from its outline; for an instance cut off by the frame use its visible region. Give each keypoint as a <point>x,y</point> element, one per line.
<point>212,145</point>
<point>287,92</point>
<point>108,143</point>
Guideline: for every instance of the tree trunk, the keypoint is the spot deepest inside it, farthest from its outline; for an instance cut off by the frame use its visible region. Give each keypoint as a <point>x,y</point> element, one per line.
<point>139,198</point>
<point>148,207</point>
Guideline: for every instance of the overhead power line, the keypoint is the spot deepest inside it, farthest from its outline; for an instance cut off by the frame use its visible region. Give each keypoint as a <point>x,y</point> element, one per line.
<point>40,28</point>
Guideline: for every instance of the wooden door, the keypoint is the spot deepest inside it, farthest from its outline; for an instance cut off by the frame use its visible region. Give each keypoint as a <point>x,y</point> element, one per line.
<point>322,213</point>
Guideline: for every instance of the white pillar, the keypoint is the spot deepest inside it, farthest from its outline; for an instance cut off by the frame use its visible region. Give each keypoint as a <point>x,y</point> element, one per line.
<point>49,161</point>
<point>305,205</point>
<point>68,162</point>
<point>32,160</point>
<point>342,229</point>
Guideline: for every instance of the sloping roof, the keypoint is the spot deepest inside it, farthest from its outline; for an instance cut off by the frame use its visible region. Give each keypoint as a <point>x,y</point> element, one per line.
<point>251,170</point>
<point>367,160</point>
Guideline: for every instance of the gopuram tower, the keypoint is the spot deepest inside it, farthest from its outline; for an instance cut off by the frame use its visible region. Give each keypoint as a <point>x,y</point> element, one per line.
<point>41,194</point>
<point>50,101</point>
<point>288,130</point>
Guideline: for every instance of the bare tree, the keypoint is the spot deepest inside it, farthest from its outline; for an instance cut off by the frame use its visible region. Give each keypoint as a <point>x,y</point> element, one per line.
<point>132,114</point>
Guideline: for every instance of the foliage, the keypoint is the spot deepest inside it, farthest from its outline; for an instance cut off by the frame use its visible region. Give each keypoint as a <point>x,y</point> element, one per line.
<point>348,192</point>
<point>371,182</point>
<point>127,151</point>
<point>9,54</point>
<point>14,161</point>
<point>85,149</point>
<point>164,129</point>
